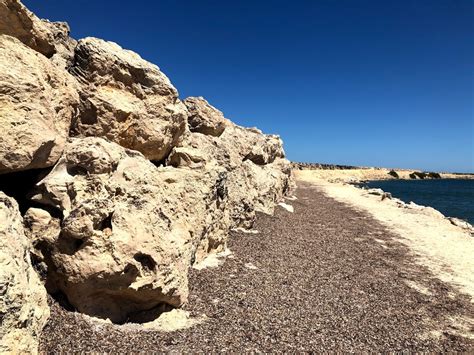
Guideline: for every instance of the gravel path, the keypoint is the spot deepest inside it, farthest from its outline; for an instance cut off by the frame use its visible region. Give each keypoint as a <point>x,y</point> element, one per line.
<point>327,277</point>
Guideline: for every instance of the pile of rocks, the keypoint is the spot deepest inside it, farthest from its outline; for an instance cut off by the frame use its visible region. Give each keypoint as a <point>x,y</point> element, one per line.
<point>131,185</point>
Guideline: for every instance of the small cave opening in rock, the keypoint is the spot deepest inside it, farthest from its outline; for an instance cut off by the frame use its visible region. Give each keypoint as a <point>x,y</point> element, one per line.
<point>159,163</point>
<point>106,223</point>
<point>149,315</point>
<point>69,245</point>
<point>21,185</point>
<point>256,159</point>
<point>146,261</point>
<point>76,170</point>
<point>61,299</point>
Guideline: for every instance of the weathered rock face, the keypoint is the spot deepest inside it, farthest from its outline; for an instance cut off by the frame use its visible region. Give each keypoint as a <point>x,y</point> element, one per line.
<point>37,102</point>
<point>204,118</point>
<point>115,233</point>
<point>17,21</point>
<point>258,174</point>
<point>42,230</point>
<point>126,99</point>
<point>64,45</point>
<point>208,150</point>
<point>48,38</point>
<point>23,306</point>
<point>254,188</point>
<point>130,230</point>
<point>270,182</point>
<point>251,144</point>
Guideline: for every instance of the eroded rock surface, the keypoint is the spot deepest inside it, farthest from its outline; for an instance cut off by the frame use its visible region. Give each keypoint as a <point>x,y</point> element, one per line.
<point>17,21</point>
<point>37,102</point>
<point>204,118</point>
<point>126,99</point>
<point>23,307</point>
<point>130,230</point>
<point>251,144</point>
<point>258,173</point>
<point>48,38</point>
<point>111,230</point>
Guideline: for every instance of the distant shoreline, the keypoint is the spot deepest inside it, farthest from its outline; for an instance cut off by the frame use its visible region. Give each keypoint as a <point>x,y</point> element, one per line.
<point>326,166</point>
<point>355,174</point>
<point>443,244</point>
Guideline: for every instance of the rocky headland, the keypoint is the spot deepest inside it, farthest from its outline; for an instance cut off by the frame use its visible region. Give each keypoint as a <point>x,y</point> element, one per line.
<point>356,174</point>
<point>112,186</point>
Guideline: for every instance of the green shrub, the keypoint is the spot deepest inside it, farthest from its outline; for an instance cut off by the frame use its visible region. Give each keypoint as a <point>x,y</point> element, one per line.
<point>394,174</point>
<point>434,175</point>
<point>420,174</point>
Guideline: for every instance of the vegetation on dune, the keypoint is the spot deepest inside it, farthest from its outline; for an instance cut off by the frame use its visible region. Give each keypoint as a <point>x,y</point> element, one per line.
<point>394,174</point>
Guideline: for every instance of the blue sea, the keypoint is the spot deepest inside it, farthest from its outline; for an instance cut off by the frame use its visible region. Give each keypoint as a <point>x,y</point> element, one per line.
<point>452,197</point>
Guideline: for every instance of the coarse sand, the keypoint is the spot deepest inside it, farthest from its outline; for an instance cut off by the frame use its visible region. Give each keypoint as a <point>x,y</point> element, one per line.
<point>328,277</point>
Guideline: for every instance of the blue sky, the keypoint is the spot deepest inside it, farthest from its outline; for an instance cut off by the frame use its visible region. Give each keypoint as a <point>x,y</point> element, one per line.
<point>376,83</point>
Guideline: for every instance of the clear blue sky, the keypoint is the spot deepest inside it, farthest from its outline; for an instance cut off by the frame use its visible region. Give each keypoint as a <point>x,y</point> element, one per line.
<point>380,83</point>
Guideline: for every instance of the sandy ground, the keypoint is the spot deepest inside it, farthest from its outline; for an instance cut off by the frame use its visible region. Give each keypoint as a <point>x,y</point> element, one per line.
<point>325,277</point>
<point>352,175</point>
<point>446,249</point>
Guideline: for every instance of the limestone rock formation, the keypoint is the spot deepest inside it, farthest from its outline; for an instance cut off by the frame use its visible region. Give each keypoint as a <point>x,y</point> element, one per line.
<point>143,185</point>
<point>126,99</point>
<point>258,174</point>
<point>48,38</point>
<point>130,230</point>
<point>204,118</point>
<point>42,229</point>
<point>63,43</point>
<point>253,188</point>
<point>17,21</point>
<point>270,182</point>
<point>232,146</point>
<point>37,102</point>
<point>251,144</point>
<point>23,307</point>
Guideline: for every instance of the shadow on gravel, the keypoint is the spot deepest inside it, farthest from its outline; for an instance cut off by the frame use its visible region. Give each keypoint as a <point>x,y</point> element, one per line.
<point>326,277</point>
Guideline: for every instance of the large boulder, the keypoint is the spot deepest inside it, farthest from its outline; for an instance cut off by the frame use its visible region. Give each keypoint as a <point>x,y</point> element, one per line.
<point>209,150</point>
<point>235,145</point>
<point>256,188</point>
<point>251,144</point>
<point>126,99</point>
<point>23,303</point>
<point>258,175</point>
<point>204,118</point>
<point>241,143</point>
<point>270,182</point>
<point>129,230</point>
<point>37,103</point>
<point>48,38</point>
<point>17,21</point>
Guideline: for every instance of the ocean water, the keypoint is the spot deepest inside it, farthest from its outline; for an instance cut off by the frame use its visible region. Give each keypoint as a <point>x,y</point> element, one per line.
<point>452,197</point>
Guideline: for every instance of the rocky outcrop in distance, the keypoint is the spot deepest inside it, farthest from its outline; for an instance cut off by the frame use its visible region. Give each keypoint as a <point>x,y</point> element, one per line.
<point>123,185</point>
<point>320,166</point>
<point>362,173</point>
